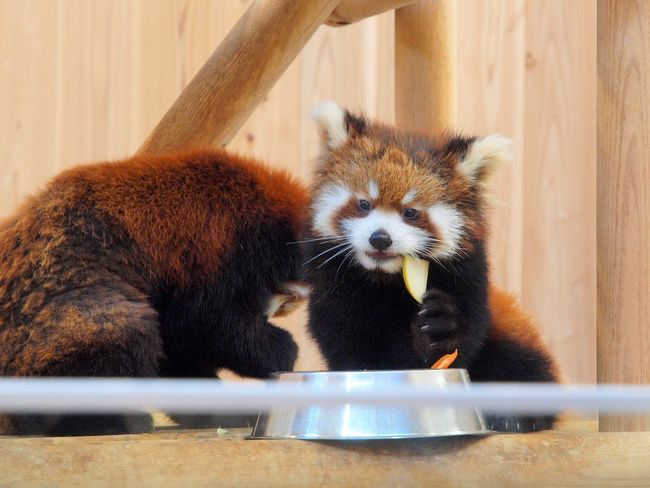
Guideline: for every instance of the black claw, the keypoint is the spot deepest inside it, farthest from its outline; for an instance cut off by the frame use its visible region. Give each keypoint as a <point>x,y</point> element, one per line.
<point>519,424</point>
<point>436,326</point>
<point>437,349</point>
<point>437,336</point>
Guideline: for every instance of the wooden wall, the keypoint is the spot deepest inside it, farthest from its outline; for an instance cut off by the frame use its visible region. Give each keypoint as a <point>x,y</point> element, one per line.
<point>87,80</point>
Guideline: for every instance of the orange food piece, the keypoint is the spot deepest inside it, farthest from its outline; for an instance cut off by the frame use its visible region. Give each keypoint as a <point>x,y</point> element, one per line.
<point>445,361</point>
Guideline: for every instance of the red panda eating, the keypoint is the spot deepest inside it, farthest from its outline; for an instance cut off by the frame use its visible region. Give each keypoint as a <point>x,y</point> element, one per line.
<point>154,266</point>
<point>380,194</point>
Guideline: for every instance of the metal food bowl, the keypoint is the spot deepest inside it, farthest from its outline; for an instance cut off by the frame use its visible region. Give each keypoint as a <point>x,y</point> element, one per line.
<point>352,421</point>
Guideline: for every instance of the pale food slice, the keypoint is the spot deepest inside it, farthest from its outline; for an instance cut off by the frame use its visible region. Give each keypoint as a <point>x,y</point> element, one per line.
<point>415,272</point>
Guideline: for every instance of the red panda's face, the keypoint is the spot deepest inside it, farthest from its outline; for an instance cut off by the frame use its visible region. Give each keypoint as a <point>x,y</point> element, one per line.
<point>387,208</point>
<point>380,197</point>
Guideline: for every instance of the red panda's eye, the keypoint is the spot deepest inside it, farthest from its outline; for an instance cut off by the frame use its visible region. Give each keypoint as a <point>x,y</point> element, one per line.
<point>364,205</point>
<point>411,213</point>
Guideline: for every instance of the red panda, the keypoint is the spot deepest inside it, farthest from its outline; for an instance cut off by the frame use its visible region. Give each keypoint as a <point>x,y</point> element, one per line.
<point>380,194</point>
<point>152,266</point>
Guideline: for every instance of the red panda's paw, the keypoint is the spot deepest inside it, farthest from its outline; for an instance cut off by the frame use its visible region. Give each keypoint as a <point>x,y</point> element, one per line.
<point>503,423</point>
<point>435,329</point>
<point>269,349</point>
<point>281,354</point>
<point>291,296</point>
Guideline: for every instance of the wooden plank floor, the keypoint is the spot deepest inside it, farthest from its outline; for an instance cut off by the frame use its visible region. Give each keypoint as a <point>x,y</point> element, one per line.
<point>573,456</point>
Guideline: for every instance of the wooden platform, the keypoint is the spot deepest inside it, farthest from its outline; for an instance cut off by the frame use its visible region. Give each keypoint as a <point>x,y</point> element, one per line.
<point>568,457</point>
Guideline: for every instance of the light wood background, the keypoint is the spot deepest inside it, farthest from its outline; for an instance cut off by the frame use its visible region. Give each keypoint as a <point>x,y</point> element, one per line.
<point>87,80</point>
<point>623,200</point>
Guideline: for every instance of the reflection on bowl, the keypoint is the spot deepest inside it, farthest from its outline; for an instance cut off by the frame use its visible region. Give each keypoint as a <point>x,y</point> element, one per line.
<point>351,421</point>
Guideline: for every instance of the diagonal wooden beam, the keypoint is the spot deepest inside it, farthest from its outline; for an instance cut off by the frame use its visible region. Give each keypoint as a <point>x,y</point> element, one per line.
<point>239,73</point>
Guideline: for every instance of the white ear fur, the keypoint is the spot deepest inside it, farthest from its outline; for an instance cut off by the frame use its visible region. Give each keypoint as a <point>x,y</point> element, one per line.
<point>331,123</point>
<point>485,155</point>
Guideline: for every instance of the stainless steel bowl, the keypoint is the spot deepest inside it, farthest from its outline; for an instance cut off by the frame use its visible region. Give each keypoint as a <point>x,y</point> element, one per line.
<point>368,421</point>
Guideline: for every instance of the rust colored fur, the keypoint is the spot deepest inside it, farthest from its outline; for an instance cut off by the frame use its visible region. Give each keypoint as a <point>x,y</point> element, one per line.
<point>403,161</point>
<point>511,323</point>
<point>150,266</point>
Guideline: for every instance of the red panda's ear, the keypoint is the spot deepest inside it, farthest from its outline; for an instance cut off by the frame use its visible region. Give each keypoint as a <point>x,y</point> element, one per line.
<point>484,156</point>
<point>336,125</point>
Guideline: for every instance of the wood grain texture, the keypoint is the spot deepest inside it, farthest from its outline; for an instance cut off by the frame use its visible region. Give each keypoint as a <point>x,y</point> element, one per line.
<point>559,229</point>
<point>426,66</point>
<point>207,459</point>
<point>86,81</point>
<point>624,199</point>
<point>491,50</point>
<point>242,70</point>
<point>350,11</point>
<point>526,70</point>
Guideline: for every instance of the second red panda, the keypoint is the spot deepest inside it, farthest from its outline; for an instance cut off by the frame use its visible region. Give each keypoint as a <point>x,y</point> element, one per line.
<point>153,266</point>
<point>380,194</point>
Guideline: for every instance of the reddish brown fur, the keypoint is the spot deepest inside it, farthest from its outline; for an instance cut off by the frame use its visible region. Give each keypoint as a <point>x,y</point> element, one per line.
<point>80,261</point>
<point>398,165</point>
<point>160,216</point>
<point>511,323</point>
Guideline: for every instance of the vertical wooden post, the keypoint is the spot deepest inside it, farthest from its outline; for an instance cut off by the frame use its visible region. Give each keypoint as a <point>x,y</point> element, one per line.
<point>425,65</point>
<point>623,200</point>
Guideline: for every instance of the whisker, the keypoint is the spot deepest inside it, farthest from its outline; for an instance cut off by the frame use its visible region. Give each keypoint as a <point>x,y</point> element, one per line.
<point>347,255</point>
<point>317,239</point>
<point>338,253</point>
<point>329,249</point>
<point>350,262</point>
<point>419,254</point>
<point>439,263</point>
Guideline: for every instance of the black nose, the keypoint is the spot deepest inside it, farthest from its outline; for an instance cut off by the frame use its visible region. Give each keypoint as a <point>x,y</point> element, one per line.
<point>380,239</point>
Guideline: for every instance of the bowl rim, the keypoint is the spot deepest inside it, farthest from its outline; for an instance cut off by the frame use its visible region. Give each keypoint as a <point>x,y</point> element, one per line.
<point>371,371</point>
<point>453,433</point>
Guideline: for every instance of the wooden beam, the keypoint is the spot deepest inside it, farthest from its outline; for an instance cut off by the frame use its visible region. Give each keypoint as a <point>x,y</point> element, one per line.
<point>425,65</point>
<point>204,458</point>
<point>623,199</point>
<point>350,11</point>
<point>238,74</point>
